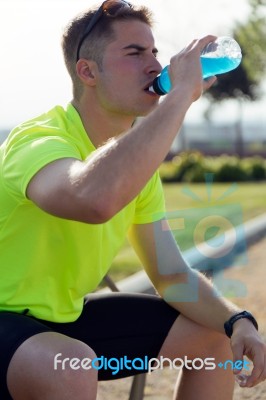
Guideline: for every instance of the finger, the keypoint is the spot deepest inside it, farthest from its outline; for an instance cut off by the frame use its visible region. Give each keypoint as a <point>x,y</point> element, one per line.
<point>257,371</point>
<point>191,44</point>
<point>205,40</point>
<point>200,43</point>
<point>238,352</point>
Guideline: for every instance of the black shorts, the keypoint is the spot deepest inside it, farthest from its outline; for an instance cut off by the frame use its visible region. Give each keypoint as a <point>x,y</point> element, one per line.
<point>113,325</point>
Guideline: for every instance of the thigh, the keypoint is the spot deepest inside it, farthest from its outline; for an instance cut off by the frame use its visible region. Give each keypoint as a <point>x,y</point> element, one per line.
<point>114,325</point>
<point>34,374</point>
<point>119,325</point>
<point>14,330</point>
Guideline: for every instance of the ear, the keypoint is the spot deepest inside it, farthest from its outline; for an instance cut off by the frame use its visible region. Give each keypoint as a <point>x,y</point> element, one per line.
<point>87,71</point>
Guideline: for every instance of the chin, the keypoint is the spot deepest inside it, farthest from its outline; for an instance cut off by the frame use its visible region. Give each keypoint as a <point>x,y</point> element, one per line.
<point>148,109</point>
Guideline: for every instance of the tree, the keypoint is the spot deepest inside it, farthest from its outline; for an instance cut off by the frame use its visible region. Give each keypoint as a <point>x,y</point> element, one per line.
<point>244,83</point>
<point>256,4</point>
<point>245,80</point>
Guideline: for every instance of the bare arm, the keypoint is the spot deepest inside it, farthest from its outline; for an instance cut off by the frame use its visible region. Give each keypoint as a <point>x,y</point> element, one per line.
<point>193,295</point>
<point>184,288</point>
<point>96,189</point>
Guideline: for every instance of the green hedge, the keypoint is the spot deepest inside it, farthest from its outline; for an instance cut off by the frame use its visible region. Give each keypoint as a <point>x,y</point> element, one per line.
<point>193,167</point>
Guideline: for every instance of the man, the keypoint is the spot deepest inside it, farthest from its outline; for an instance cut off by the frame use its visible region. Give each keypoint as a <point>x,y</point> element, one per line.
<point>73,183</point>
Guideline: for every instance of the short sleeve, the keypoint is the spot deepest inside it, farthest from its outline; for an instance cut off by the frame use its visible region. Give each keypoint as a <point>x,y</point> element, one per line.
<point>150,204</point>
<point>24,157</point>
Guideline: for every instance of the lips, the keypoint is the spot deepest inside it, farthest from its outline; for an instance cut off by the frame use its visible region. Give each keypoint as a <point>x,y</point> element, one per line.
<point>148,88</point>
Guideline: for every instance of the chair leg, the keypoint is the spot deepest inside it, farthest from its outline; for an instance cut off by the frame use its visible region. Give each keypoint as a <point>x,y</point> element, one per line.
<point>137,387</point>
<point>138,383</point>
<point>110,283</point>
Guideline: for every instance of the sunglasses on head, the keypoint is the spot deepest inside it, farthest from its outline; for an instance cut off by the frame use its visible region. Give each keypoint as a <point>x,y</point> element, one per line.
<point>108,7</point>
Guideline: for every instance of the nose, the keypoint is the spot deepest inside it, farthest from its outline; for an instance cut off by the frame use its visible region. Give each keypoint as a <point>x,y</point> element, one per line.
<point>153,67</point>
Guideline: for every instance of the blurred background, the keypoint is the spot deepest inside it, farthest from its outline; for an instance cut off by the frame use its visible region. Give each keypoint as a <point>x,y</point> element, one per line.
<point>231,118</point>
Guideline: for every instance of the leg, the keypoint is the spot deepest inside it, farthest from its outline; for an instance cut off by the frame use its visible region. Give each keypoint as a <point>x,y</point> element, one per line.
<point>122,325</point>
<point>190,339</point>
<point>31,374</point>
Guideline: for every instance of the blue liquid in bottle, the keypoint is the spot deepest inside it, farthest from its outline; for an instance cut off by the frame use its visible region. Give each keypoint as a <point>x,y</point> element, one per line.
<point>218,65</point>
<point>210,66</point>
<point>218,57</point>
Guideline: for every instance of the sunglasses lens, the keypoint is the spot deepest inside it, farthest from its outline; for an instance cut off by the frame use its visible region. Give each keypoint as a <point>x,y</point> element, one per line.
<point>111,7</point>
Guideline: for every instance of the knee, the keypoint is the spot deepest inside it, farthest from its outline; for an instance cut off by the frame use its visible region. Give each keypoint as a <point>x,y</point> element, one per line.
<point>217,345</point>
<point>52,366</point>
<point>74,356</point>
<point>73,374</point>
<point>75,369</point>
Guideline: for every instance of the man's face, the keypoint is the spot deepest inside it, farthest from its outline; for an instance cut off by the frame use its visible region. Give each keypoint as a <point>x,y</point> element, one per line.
<point>128,69</point>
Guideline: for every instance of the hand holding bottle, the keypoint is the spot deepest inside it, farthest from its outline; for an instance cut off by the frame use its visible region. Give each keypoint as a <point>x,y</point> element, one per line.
<point>217,57</point>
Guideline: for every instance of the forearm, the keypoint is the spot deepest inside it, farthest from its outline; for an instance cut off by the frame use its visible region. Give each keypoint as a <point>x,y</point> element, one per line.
<point>185,288</point>
<point>94,190</point>
<point>195,297</point>
<point>124,164</point>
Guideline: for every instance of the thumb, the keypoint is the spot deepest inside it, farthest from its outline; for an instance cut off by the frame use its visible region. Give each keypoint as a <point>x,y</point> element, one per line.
<point>208,82</point>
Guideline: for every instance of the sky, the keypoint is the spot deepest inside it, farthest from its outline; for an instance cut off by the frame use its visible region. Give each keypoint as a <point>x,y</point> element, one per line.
<point>33,77</point>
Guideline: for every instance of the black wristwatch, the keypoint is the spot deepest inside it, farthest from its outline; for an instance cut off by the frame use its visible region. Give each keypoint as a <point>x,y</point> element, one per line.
<point>228,326</point>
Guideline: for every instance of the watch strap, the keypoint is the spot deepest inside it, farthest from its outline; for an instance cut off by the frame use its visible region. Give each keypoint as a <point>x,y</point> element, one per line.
<point>228,326</point>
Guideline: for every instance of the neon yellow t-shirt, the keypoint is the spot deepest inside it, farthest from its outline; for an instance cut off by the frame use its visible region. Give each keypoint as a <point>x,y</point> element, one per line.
<point>48,264</point>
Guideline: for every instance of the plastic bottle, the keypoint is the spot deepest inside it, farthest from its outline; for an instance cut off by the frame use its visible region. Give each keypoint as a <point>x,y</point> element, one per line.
<point>222,55</point>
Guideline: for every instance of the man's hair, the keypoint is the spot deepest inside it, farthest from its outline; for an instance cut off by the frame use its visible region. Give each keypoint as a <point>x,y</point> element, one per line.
<point>94,44</point>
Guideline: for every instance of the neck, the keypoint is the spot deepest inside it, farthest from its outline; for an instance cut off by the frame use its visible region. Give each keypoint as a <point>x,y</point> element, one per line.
<point>100,124</point>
